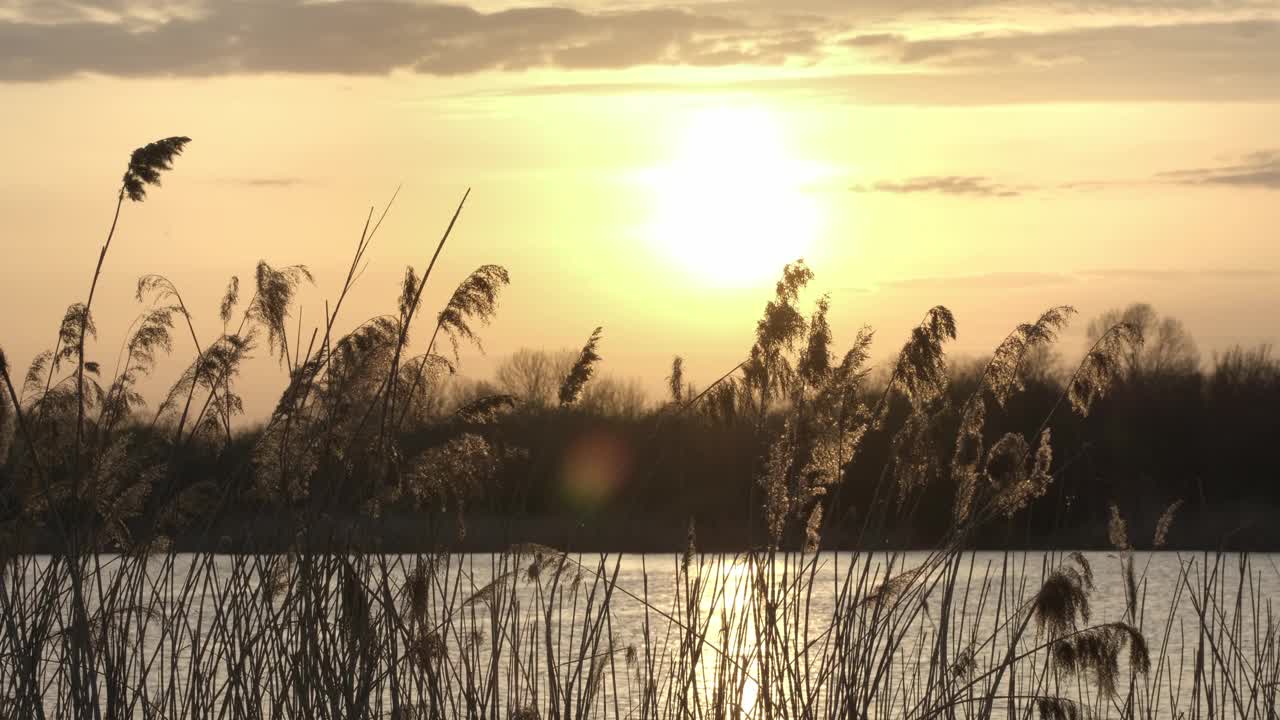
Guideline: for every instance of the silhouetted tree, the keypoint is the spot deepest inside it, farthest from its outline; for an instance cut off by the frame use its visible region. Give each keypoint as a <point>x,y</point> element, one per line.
<point>1167,347</point>
<point>534,375</point>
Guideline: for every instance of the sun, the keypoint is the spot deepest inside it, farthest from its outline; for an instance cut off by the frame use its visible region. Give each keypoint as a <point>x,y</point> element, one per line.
<point>732,207</point>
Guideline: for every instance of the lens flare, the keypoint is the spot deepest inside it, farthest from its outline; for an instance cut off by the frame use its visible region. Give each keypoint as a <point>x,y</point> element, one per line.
<point>595,466</point>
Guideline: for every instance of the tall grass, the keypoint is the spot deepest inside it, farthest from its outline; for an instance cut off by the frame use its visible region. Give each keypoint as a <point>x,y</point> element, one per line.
<point>114,622</point>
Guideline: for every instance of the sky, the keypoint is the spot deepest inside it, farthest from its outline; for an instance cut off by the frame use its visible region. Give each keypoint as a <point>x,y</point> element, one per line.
<point>649,167</point>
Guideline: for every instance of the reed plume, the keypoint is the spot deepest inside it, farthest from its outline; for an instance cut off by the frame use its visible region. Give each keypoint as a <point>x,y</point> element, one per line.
<point>423,375</point>
<point>767,370</point>
<point>1017,475</point>
<point>775,480</point>
<point>33,382</point>
<point>675,381</point>
<point>1097,650</point>
<point>968,455</point>
<point>152,335</point>
<point>1165,524</point>
<point>230,298</point>
<point>410,299</point>
<point>475,298</point>
<point>1102,366</point>
<point>1117,529</point>
<point>273,296</point>
<point>894,587</point>
<point>921,371</point>
<point>583,368</point>
<point>211,371</point>
<point>1062,604</point>
<point>454,473</point>
<point>118,488</point>
<point>914,458</point>
<point>813,529</point>
<point>147,163</point>
<point>815,362</point>
<point>1002,376</point>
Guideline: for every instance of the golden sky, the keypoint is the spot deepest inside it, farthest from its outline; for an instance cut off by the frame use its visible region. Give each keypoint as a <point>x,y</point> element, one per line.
<point>648,167</point>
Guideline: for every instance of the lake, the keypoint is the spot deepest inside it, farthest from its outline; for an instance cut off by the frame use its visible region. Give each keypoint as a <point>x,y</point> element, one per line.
<point>496,635</point>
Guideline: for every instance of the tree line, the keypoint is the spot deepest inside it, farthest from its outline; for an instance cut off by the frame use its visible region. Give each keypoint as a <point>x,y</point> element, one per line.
<point>1176,430</point>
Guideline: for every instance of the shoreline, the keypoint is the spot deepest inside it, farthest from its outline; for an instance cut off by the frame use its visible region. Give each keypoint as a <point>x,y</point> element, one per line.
<point>631,533</point>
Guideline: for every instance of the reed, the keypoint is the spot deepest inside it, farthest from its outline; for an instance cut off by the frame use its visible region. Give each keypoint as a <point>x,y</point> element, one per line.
<point>115,622</point>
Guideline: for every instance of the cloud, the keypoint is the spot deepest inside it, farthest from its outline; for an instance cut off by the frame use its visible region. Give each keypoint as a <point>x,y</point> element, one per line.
<point>888,10</point>
<point>966,185</point>
<point>873,40</point>
<point>1081,50</point>
<point>1259,169</point>
<point>1214,46</point>
<point>1199,61</point>
<point>357,38</point>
